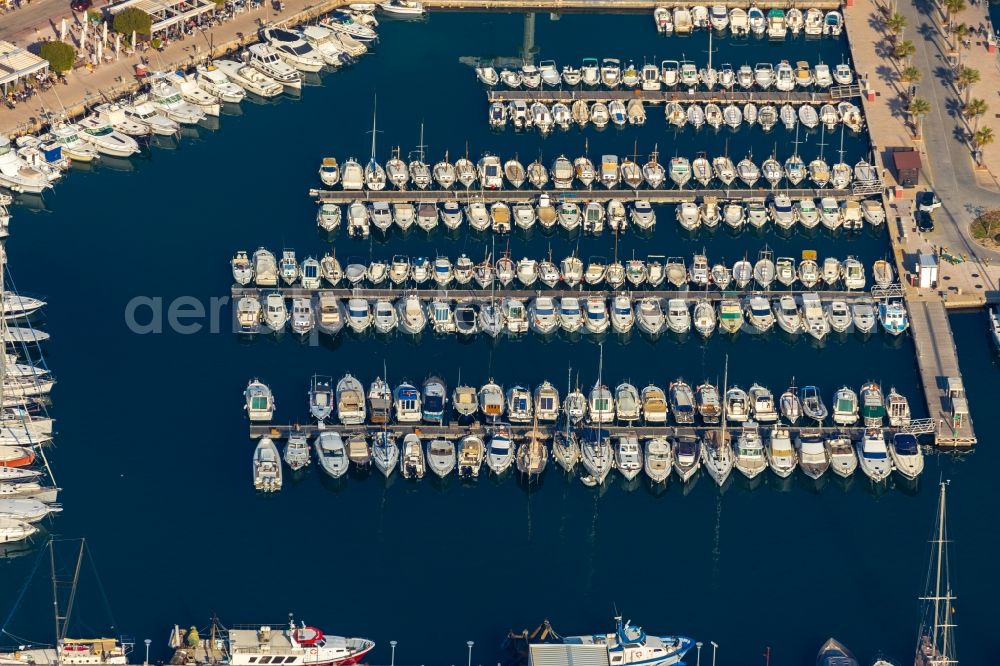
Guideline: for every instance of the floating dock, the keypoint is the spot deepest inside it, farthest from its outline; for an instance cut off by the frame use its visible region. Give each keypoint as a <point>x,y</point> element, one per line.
<point>722,97</point>
<point>464,293</point>
<point>596,194</point>
<point>457,431</point>
<point>940,375</point>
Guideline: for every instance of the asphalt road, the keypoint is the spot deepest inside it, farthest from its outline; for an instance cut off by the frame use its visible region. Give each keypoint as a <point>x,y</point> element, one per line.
<point>949,169</point>
<point>19,25</point>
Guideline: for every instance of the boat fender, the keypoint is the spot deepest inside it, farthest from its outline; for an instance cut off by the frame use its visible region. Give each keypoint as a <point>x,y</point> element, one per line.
<point>312,650</point>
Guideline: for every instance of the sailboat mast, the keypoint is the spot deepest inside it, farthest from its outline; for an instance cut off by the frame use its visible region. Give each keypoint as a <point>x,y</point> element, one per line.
<point>569,383</point>
<point>725,389</point>
<point>937,576</point>
<point>374,112</point>
<point>600,374</point>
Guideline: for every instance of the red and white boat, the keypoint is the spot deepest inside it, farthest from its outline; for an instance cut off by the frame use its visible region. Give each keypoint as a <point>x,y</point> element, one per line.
<point>299,645</point>
<point>16,456</point>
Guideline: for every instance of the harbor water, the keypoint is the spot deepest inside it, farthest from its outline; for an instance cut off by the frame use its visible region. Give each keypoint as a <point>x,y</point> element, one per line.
<point>152,448</point>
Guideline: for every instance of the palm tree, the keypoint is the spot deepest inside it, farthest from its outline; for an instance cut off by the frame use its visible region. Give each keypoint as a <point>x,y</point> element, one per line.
<point>975,109</point>
<point>918,108</point>
<point>910,74</point>
<point>981,139</point>
<point>904,50</point>
<point>961,32</point>
<point>967,76</point>
<point>895,24</point>
<point>953,7</point>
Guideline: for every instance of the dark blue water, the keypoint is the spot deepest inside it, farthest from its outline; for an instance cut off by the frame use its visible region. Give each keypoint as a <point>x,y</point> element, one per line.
<point>153,455</point>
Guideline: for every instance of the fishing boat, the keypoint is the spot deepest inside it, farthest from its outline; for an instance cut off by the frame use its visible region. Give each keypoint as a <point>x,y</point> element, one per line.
<point>321,398</point>
<point>730,315</point>
<point>267,473</point>
<point>893,317</point>
<point>682,402</point>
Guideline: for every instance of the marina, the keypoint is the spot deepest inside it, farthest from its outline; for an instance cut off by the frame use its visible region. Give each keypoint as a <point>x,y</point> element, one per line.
<point>503,529</point>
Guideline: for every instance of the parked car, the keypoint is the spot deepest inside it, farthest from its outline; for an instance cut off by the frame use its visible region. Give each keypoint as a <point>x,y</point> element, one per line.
<point>928,201</point>
<point>925,220</point>
<point>80,5</point>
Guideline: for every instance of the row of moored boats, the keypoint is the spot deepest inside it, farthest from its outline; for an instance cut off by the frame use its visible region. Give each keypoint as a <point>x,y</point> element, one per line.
<point>492,173</point>
<point>27,493</point>
<point>777,23</point>
<point>670,74</point>
<point>264,270</point>
<point>171,100</point>
<point>593,217</point>
<point>622,313</point>
<point>582,439</point>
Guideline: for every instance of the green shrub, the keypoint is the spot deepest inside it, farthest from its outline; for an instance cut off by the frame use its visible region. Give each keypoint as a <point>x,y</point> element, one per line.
<point>60,55</point>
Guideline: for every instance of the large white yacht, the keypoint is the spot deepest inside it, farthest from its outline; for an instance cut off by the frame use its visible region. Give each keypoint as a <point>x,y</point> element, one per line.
<point>15,172</point>
<point>293,49</point>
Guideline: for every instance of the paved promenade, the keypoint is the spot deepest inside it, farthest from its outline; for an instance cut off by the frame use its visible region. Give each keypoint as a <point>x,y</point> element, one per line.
<point>946,155</point>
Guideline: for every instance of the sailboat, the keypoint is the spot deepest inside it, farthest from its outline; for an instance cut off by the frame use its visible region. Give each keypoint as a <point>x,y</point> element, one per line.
<point>70,651</point>
<point>935,640</point>
<point>597,454</point>
<point>842,172</point>
<point>374,173</point>
<point>717,453</point>
<point>565,447</point>
<point>819,170</point>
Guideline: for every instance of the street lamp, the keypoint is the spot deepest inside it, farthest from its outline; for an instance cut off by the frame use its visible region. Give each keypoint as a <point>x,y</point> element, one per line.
<point>698,659</point>
<point>147,642</point>
<point>392,659</point>
<point>715,646</point>
<point>470,644</point>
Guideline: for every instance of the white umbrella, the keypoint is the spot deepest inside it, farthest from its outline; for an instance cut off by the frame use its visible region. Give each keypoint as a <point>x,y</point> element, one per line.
<point>83,36</point>
<point>118,44</point>
<point>100,51</point>
<point>62,30</point>
<point>104,32</point>
<point>133,39</point>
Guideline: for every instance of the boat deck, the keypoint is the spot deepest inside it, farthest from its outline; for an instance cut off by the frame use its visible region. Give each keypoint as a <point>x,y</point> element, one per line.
<point>937,359</point>
<point>595,194</point>
<point>614,5</point>
<point>721,97</point>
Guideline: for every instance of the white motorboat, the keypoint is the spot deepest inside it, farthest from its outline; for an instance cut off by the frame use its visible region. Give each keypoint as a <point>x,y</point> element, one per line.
<point>873,455</point>
<point>407,8</point>
<point>781,455</point>
<point>325,44</point>
<point>215,82</point>
<point>267,61</point>
<point>814,458</point>
<point>500,450</point>
<point>331,454</point>
<point>114,114</point>
<point>267,473</point>
<point>907,459</point>
<point>167,99</point>
<point>843,458</point>
<point>249,78</point>
<point>193,93</point>
<point>145,113</point>
<point>275,312</point>
<point>296,454</point>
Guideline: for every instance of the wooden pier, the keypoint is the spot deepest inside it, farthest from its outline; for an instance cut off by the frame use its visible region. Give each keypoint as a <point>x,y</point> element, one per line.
<point>465,294</point>
<point>720,97</point>
<point>594,194</point>
<point>940,375</point>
